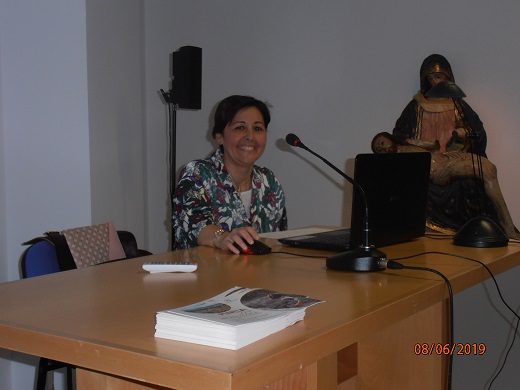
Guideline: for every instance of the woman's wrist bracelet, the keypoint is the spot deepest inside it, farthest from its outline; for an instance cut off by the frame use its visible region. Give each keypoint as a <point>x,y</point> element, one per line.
<point>218,233</point>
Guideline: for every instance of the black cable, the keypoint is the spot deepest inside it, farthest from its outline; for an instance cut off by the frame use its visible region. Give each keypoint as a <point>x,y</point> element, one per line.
<point>392,264</point>
<point>433,236</point>
<point>476,156</point>
<point>505,357</point>
<point>499,294</point>
<point>469,259</point>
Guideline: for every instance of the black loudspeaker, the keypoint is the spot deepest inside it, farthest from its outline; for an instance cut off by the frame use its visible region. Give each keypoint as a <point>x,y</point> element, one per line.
<point>187,77</point>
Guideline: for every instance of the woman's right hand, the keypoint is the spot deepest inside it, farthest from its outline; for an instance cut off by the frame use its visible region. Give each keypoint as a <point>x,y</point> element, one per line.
<point>239,236</point>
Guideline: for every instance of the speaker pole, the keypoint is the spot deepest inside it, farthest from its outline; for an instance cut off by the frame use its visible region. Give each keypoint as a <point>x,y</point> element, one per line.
<point>185,92</point>
<point>172,135</point>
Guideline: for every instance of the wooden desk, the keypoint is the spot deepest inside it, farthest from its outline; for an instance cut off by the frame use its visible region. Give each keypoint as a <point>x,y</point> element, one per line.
<point>102,320</point>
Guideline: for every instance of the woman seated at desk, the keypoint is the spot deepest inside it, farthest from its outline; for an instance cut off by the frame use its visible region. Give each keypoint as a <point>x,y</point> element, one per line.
<point>226,199</point>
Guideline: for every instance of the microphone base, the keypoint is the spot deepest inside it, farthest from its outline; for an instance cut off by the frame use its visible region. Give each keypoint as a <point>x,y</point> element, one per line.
<point>362,259</point>
<point>480,232</point>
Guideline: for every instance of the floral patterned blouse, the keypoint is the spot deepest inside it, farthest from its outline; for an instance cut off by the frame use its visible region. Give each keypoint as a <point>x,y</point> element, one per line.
<point>205,195</point>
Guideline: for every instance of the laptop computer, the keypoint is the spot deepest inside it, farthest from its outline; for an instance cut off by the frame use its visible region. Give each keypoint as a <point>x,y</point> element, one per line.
<point>396,187</point>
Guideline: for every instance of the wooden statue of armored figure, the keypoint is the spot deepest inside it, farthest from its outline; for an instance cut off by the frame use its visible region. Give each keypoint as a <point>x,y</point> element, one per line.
<point>443,127</point>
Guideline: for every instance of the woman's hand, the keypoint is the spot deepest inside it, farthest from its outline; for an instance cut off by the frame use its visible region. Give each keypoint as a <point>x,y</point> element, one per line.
<point>240,236</point>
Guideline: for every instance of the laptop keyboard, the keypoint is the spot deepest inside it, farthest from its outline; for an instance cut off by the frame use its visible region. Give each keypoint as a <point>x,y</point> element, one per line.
<point>334,240</point>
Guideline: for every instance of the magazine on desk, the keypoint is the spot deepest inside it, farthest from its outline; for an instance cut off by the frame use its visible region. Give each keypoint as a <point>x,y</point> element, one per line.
<point>233,319</point>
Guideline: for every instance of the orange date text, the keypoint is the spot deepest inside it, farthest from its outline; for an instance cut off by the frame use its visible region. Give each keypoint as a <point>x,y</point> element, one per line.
<point>449,349</point>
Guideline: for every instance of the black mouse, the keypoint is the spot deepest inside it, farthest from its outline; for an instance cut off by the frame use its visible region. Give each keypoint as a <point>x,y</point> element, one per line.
<point>257,248</point>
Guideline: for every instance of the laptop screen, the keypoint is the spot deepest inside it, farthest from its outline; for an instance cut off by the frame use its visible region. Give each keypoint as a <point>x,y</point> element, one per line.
<point>396,188</point>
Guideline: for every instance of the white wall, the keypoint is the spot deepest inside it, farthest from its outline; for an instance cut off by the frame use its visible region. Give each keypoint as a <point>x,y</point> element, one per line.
<point>45,137</point>
<point>116,114</point>
<point>45,119</point>
<point>336,73</point>
<point>5,375</point>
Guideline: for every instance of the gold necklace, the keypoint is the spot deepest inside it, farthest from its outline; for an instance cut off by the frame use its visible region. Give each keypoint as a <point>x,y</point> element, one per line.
<point>239,186</point>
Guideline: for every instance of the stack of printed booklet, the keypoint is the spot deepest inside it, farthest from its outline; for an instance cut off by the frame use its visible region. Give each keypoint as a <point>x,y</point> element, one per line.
<point>233,319</point>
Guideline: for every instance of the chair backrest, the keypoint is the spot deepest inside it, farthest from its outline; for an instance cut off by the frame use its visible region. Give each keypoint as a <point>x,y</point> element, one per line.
<point>39,259</point>
<point>51,253</point>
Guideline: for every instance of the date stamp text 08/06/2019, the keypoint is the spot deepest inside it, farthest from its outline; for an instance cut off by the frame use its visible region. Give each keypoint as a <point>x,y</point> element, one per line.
<point>449,349</point>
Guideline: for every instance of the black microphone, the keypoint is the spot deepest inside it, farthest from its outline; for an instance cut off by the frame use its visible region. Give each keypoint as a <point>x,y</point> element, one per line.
<point>364,258</point>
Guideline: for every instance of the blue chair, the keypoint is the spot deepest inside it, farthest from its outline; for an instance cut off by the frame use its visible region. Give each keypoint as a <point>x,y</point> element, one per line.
<point>37,260</point>
<point>49,254</point>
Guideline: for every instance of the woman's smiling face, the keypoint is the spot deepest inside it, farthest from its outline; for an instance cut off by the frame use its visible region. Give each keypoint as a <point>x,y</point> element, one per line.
<point>243,138</point>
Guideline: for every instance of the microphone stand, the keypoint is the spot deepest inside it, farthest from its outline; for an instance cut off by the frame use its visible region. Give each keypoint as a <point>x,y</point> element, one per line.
<point>363,258</point>
<point>480,231</point>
